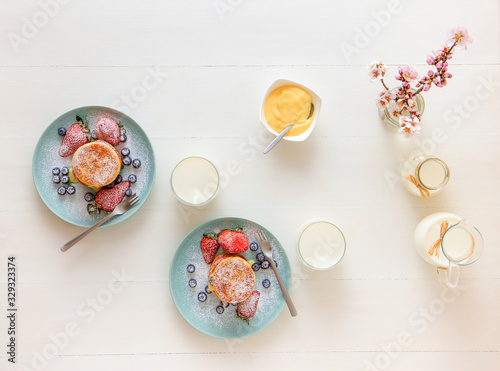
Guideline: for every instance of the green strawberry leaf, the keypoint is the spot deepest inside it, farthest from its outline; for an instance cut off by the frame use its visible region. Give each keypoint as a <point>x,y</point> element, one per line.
<point>243,318</point>
<point>122,128</point>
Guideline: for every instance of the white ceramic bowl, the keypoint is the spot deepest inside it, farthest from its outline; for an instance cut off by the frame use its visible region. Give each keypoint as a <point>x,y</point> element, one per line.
<point>317,107</point>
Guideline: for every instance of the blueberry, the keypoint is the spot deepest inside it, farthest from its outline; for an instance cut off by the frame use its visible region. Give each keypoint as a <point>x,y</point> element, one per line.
<point>265,264</point>
<point>61,190</point>
<point>125,151</point>
<point>132,178</point>
<point>191,268</point>
<point>128,192</point>
<point>219,309</point>
<point>226,305</point>
<point>91,209</point>
<point>71,190</point>
<point>56,179</point>
<point>64,171</point>
<point>276,263</point>
<point>118,179</point>
<point>65,179</point>
<point>111,185</point>
<point>93,135</point>
<point>192,282</point>
<point>123,138</point>
<point>56,171</point>
<point>254,246</point>
<point>89,197</point>
<point>266,283</point>
<point>260,257</point>
<point>61,131</point>
<point>255,267</point>
<point>202,296</point>
<point>234,304</point>
<point>207,290</point>
<point>126,161</point>
<point>136,163</point>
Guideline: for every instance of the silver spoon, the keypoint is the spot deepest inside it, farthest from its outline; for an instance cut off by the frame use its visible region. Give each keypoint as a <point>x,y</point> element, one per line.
<point>283,133</point>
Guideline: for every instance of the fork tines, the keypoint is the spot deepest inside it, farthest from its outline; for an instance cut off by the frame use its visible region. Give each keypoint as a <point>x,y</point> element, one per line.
<point>261,236</point>
<point>133,199</point>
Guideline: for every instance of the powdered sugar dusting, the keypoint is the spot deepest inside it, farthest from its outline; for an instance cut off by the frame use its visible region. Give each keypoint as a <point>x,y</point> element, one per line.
<point>73,208</point>
<point>96,164</point>
<point>233,280</point>
<point>203,315</point>
<point>107,129</point>
<point>249,307</point>
<point>74,138</point>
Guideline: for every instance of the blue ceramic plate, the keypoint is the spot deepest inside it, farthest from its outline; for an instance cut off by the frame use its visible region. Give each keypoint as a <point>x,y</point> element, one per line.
<point>73,208</point>
<point>203,315</point>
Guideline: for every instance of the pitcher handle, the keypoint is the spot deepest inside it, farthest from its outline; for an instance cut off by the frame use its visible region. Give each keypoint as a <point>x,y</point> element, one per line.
<point>448,277</point>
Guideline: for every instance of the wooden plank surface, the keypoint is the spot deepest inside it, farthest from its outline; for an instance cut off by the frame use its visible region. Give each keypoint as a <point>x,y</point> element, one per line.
<point>193,75</point>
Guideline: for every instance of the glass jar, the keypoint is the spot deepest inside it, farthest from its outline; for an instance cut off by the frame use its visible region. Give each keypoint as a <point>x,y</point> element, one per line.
<point>425,176</point>
<point>390,119</point>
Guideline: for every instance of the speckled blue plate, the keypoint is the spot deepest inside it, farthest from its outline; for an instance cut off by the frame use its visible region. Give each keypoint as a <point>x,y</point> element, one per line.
<point>73,208</point>
<point>203,315</point>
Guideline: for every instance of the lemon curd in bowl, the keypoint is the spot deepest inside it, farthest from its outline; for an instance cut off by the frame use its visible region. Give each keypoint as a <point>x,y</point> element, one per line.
<point>286,105</point>
<point>289,103</point>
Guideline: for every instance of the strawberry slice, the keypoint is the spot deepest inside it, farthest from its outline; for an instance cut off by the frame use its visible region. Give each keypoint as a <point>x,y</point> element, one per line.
<point>233,242</point>
<point>209,247</point>
<point>247,308</point>
<point>108,130</point>
<point>75,138</point>
<point>108,198</point>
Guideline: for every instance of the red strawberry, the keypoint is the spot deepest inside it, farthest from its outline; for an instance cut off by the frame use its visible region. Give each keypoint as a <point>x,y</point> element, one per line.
<point>108,198</point>
<point>209,247</point>
<point>108,130</point>
<point>233,242</point>
<point>247,308</point>
<point>75,137</point>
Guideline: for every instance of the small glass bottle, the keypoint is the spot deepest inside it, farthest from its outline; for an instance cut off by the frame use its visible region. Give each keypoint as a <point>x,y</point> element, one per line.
<point>425,176</point>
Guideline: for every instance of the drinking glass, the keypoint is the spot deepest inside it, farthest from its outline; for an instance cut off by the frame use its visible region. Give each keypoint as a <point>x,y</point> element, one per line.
<point>321,245</point>
<point>195,181</point>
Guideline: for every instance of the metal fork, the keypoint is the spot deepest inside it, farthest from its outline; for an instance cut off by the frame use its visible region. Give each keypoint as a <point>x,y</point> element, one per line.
<point>267,250</point>
<point>120,209</point>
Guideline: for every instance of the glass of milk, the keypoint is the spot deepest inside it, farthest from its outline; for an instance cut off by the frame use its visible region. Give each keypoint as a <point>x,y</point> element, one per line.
<point>425,176</point>
<point>195,181</point>
<point>321,245</point>
<point>447,241</point>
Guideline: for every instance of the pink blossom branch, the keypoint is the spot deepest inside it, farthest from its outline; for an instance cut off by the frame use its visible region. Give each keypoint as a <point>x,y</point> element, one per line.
<point>400,102</point>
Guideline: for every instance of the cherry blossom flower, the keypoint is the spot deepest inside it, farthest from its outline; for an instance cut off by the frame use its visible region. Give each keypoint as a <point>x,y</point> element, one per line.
<point>460,36</point>
<point>376,70</point>
<point>408,73</point>
<point>394,109</point>
<point>409,125</point>
<point>385,98</point>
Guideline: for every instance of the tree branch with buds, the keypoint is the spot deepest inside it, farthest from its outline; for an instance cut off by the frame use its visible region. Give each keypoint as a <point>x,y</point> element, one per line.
<point>400,101</point>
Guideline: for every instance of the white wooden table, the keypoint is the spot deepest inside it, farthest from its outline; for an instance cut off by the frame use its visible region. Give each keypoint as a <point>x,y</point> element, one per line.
<point>193,74</point>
